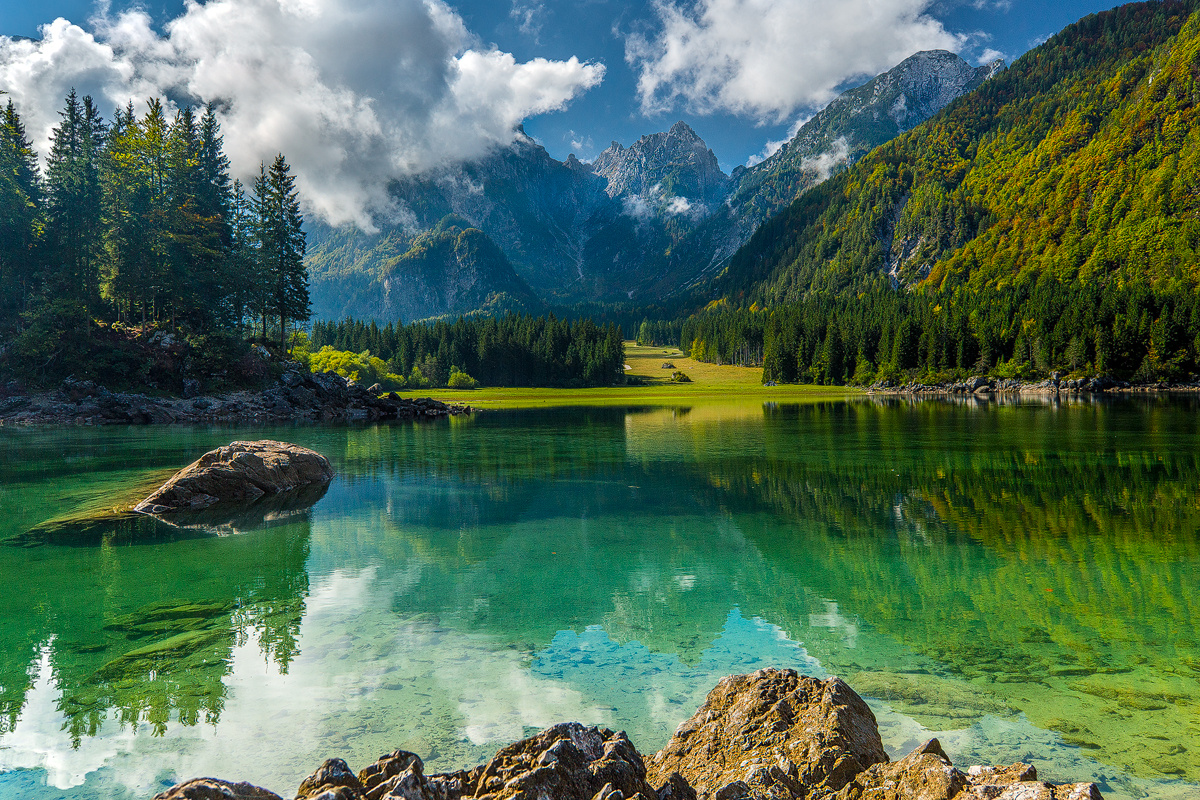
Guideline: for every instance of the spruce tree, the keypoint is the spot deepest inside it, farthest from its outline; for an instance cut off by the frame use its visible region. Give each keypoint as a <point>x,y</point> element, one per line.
<point>20,218</point>
<point>73,203</point>
<point>281,245</point>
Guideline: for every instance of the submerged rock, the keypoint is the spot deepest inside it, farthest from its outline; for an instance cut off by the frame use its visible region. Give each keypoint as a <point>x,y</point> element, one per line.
<point>770,735</point>
<point>238,473</point>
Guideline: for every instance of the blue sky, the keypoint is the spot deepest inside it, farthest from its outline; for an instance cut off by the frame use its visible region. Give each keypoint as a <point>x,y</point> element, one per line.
<point>579,74</point>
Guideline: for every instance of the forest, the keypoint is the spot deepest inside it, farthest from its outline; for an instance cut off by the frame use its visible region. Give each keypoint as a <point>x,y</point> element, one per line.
<point>1048,221</point>
<point>513,350</point>
<point>134,229</point>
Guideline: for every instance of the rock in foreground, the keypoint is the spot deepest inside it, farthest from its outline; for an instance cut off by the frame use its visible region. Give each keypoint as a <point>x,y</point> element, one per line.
<point>771,735</point>
<point>240,472</point>
<point>776,732</point>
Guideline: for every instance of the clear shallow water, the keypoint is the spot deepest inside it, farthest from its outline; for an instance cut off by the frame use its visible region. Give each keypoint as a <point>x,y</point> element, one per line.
<point>1022,581</point>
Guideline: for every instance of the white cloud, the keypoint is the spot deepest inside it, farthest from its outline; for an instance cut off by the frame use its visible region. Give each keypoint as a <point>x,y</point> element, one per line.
<point>773,146</point>
<point>353,92</point>
<point>768,58</point>
<point>679,205</point>
<point>824,164</point>
<point>528,16</point>
<point>989,55</point>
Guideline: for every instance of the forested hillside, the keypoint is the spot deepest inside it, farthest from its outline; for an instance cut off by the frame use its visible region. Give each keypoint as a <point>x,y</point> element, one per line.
<point>453,269</point>
<point>1049,220</point>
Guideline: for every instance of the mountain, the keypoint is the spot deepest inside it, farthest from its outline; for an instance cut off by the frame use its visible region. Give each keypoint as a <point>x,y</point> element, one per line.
<point>451,270</point>
<point>840,134</point>
<point>1051,219</point>
<point>673,172</point>
<point>638,222</point>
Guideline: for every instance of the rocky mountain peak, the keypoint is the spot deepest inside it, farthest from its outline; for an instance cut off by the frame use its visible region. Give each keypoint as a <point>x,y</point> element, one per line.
<point>662,166</point>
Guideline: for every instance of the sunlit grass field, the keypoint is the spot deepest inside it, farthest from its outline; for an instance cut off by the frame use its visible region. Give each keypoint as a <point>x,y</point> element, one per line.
<point>710,383</point>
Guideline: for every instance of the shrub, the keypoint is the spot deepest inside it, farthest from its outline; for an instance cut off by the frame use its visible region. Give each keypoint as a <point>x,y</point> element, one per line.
<point>460,380</point>
<point>362,368</point>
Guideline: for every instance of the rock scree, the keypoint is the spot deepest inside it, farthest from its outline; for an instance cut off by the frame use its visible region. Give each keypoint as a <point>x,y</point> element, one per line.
<point>240,472</point>
<point>770,735</point>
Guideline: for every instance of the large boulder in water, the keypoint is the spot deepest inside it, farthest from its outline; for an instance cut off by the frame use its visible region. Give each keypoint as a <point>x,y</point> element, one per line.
<point>240,472</point>
<point>773,734</point>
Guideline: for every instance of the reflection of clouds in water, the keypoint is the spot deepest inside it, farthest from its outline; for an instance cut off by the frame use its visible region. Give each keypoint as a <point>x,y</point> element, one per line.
<point>648,693</point>
<point>365,682</point>
<point>833,619</point>
<point>38,740</point>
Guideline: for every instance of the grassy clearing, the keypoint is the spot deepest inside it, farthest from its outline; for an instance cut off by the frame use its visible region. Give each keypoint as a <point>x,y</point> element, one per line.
<point>710,384</point>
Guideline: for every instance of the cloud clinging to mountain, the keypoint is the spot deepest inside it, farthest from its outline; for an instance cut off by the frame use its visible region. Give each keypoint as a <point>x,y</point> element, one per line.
<point>768,58</point>
<point>353,92</point>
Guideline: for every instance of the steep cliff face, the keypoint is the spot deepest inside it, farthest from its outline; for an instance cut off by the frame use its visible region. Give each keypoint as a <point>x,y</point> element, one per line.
<point>673,172</point>
<point>639,222</point>
<point>452,269</point>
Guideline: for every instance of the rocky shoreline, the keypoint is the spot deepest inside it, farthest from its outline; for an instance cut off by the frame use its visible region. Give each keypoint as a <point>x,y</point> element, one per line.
<point>297,396</point>
<point>1056,384</point>
<point>770,735</point>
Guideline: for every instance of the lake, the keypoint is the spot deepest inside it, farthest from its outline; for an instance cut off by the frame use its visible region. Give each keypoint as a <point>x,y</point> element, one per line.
<point>1021,580</point>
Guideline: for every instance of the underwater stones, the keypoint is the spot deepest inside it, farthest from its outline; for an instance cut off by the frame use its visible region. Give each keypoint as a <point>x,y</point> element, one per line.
<point>771,735</point>
<point>937,703</point>
<point>781,733</point>
<point>239,472</point>
<point>213,789</point>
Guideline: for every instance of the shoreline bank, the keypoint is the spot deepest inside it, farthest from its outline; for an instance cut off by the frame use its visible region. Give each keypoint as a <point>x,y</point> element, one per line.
<point>296,397</point>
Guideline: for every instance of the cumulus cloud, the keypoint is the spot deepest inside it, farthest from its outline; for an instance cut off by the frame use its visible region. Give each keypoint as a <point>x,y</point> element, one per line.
<point>768,58</point>
<point>353,92</point>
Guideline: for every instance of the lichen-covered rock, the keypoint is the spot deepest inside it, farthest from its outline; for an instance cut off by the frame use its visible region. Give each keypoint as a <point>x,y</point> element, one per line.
<point>924,774</point>
<point>238,473</point>
<point>400,775</point>
<point>333,780</point>
<point>771,735</point>
<point>782,734</point>
<point>569,761</point>
<point>927,774</point>
<point>213,789</point>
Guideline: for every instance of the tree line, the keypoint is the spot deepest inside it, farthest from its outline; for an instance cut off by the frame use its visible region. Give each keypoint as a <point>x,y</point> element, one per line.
<point>136,223</point>
<point>513,350</point>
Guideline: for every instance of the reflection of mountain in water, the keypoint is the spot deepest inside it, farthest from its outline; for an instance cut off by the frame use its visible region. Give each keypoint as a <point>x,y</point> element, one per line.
<point>975,564</point>
<point>1041,555</point>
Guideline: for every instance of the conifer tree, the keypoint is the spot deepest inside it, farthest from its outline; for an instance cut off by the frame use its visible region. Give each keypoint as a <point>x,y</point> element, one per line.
<point>281,246</point>
<point>73,203</point>
<point>20,217</point>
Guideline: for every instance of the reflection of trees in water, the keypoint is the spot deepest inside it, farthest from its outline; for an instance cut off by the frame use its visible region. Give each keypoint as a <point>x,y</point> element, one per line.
<point>1039,553</point>
<point>140,639</point>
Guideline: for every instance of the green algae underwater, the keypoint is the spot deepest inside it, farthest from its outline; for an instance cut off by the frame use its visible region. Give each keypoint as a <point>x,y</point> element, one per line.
<point>1021,580</point>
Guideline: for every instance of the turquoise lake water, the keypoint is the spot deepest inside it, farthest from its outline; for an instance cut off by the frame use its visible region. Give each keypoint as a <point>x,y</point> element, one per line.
<point>1020,580</point>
